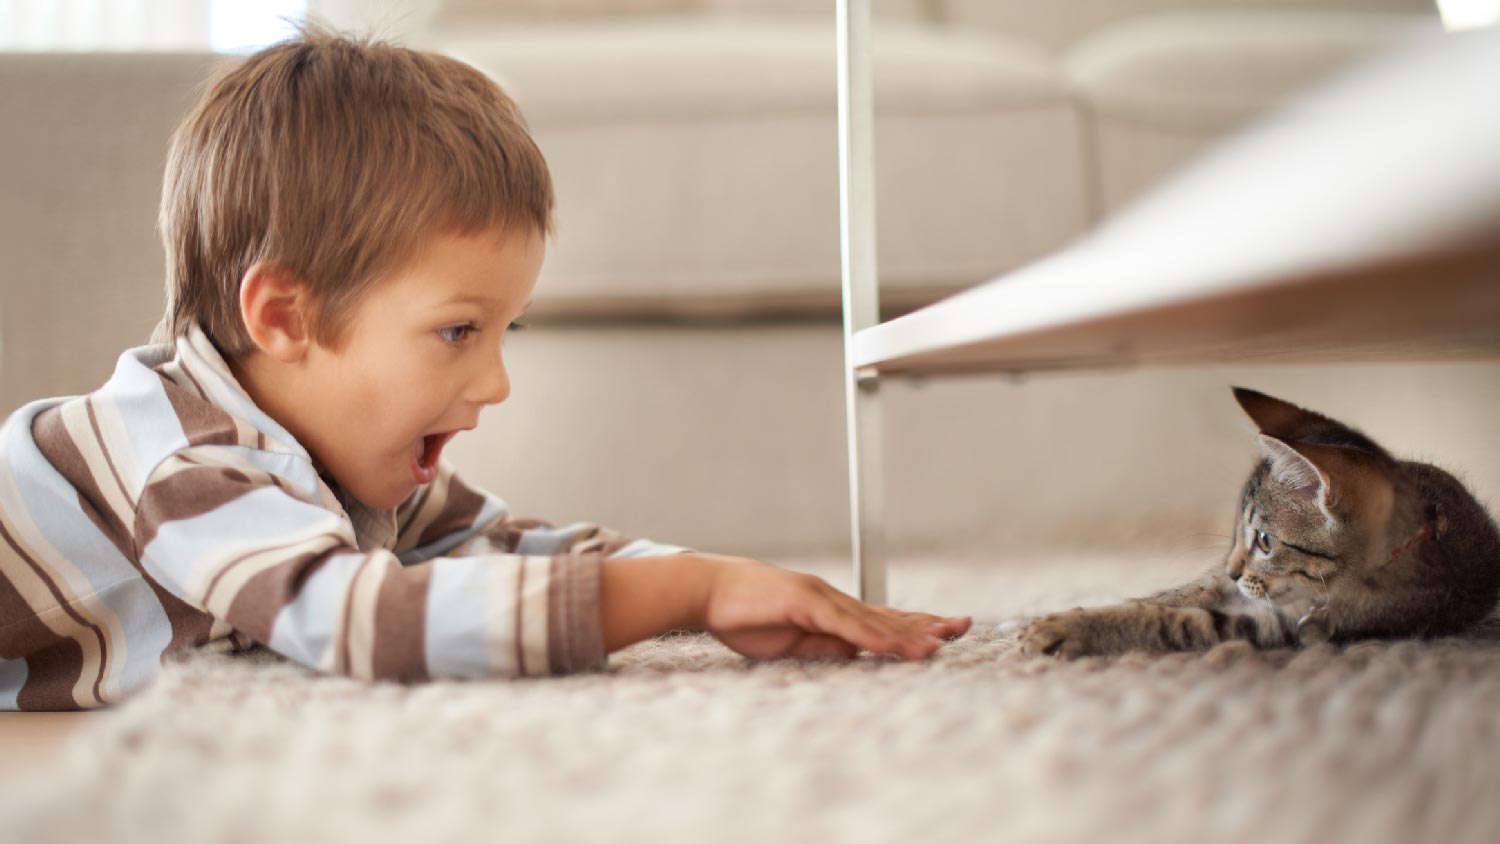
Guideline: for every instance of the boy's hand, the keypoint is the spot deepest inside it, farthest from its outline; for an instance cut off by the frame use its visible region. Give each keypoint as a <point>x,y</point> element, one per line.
<point>763,611</point>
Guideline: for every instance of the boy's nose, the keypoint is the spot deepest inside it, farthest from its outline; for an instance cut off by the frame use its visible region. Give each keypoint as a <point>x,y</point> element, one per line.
<point>492,386</point>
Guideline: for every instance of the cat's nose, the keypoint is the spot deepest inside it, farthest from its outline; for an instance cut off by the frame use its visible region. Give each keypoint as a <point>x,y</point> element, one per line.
<point>1235,569</point>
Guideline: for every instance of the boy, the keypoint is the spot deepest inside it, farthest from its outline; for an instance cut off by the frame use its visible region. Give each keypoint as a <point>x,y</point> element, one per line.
<point>350,229</point>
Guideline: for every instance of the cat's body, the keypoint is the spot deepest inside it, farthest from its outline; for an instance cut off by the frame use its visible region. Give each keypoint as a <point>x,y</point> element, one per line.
<point>1335,540</point>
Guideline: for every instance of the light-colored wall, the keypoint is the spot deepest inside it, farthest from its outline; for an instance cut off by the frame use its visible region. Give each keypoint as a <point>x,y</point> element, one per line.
<point>733,437</point>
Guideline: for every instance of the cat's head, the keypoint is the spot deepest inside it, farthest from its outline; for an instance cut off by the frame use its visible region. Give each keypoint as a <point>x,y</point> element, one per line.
<point>1320,509</point>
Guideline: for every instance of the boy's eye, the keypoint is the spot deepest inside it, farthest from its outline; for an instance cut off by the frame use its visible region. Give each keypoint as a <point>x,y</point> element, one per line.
<point>456,334</point>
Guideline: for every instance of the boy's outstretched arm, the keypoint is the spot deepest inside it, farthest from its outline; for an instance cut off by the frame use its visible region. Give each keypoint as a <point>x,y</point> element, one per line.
<point>242,535</point>
<point>646,588</point>
<point>756,609</point>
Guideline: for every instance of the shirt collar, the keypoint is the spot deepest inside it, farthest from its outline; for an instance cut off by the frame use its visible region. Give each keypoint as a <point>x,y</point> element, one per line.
<point>202,361</point>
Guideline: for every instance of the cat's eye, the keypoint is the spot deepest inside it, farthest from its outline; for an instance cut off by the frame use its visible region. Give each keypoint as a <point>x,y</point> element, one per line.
<point>1263,542</point>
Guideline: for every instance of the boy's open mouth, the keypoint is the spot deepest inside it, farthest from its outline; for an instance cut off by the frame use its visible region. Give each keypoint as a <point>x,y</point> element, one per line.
<point>425,453</point>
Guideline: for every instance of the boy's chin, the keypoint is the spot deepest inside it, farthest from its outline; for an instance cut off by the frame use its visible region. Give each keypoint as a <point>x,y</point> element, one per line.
<point>379,497</point>
<point>391,499</point>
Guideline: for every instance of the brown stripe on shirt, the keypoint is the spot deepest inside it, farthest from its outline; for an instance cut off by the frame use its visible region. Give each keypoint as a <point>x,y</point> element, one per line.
<point>173,370</point>
<point>61,603</point>
<point>185,494</point>
<point>51,673</point>
<point>558,630</point>
<point>408,510</point>
<point>400,651</point>
<point>459,511</point>
<point>109,460</point>
<point>56,444</point>
<point>339,543</point>
<point>24,631</point>
<point>600,540</point>
<point>575,634</point>
<point>189,625</point>
<point>255,606</point>
<point>575,637</point>
<point>202,422</point>
<point>504,533</point>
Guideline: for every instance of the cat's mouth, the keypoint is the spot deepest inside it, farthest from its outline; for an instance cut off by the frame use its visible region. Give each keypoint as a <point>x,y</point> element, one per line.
<point>1252,588</point>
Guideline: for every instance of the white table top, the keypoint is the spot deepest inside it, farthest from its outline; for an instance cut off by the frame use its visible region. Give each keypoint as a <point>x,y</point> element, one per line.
<point>1360,222</point>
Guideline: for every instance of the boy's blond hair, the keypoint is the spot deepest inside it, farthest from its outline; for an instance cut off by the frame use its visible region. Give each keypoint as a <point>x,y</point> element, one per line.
<point>335,159</point>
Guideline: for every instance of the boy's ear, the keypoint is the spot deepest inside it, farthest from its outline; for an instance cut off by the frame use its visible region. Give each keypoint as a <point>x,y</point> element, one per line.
<point>276,309</point>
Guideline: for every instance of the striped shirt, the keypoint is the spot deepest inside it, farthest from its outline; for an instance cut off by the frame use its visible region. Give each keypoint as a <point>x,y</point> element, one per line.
<point>166,511</point>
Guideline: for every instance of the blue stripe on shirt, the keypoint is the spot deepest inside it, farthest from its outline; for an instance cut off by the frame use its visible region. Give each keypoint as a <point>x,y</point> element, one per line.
<point>52,504</point>
<point>455,641</point>
<point>265,517</point>
<point>493,508</point>
<point>304,628</point>
<point>152,428</point>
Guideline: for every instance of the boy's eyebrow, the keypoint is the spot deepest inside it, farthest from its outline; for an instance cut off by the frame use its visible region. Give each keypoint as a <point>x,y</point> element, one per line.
<point>475,298</point>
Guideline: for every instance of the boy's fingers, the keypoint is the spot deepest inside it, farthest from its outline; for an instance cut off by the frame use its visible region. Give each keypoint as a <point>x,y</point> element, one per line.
<point>879,629</point>
<point>859,629</point>
<point>928,618</point>
<point>910,641</point>
<point>948,631</point>
<point>820,646</point>
<point>936,625</point>
<point>954,626</point>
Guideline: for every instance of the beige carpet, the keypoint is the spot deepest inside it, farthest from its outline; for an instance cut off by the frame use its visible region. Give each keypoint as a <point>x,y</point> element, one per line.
<point>684,741</point>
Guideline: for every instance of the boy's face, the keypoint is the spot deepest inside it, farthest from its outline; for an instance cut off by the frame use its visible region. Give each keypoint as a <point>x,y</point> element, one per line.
<point>422,357</point>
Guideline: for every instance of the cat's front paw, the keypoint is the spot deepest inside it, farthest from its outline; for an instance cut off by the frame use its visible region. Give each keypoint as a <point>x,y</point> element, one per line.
<point>1109,631</point>
<point>1066,634</point>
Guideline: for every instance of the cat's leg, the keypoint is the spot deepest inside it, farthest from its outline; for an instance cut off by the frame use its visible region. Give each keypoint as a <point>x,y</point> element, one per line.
<point>1211,589</point>
<point>1195,616</point>
<point>1142,626</point>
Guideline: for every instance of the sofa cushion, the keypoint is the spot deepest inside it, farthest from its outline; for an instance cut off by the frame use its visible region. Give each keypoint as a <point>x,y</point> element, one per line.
<point>457,14</point>
<point>696,159</point>
<point>83,140</point>
<point>448,10</point>
<point>1058,26</point>
<point>1160,89</point>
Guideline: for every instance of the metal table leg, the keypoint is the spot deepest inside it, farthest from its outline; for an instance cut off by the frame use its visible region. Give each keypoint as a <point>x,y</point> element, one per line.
<point>861,295</point>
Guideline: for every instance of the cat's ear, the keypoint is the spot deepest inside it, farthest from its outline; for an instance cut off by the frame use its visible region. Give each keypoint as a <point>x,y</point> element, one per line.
<point>1297,468</point>
<point>1347,485</point>
<point>1272,415</point>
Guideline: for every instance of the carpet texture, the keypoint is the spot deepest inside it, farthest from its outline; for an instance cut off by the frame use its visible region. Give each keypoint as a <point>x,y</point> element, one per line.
<point>682,740</point>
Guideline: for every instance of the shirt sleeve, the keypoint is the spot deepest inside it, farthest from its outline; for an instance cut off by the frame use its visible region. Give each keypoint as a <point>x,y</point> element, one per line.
<point>449,516</point>
<point>242,535</point>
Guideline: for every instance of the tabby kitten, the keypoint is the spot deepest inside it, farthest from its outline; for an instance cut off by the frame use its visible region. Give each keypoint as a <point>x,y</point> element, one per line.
<point>1335,540</point>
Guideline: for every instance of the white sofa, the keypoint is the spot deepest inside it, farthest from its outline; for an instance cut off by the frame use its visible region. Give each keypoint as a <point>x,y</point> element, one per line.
<point>682,379</point>
<point>695,146</point>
